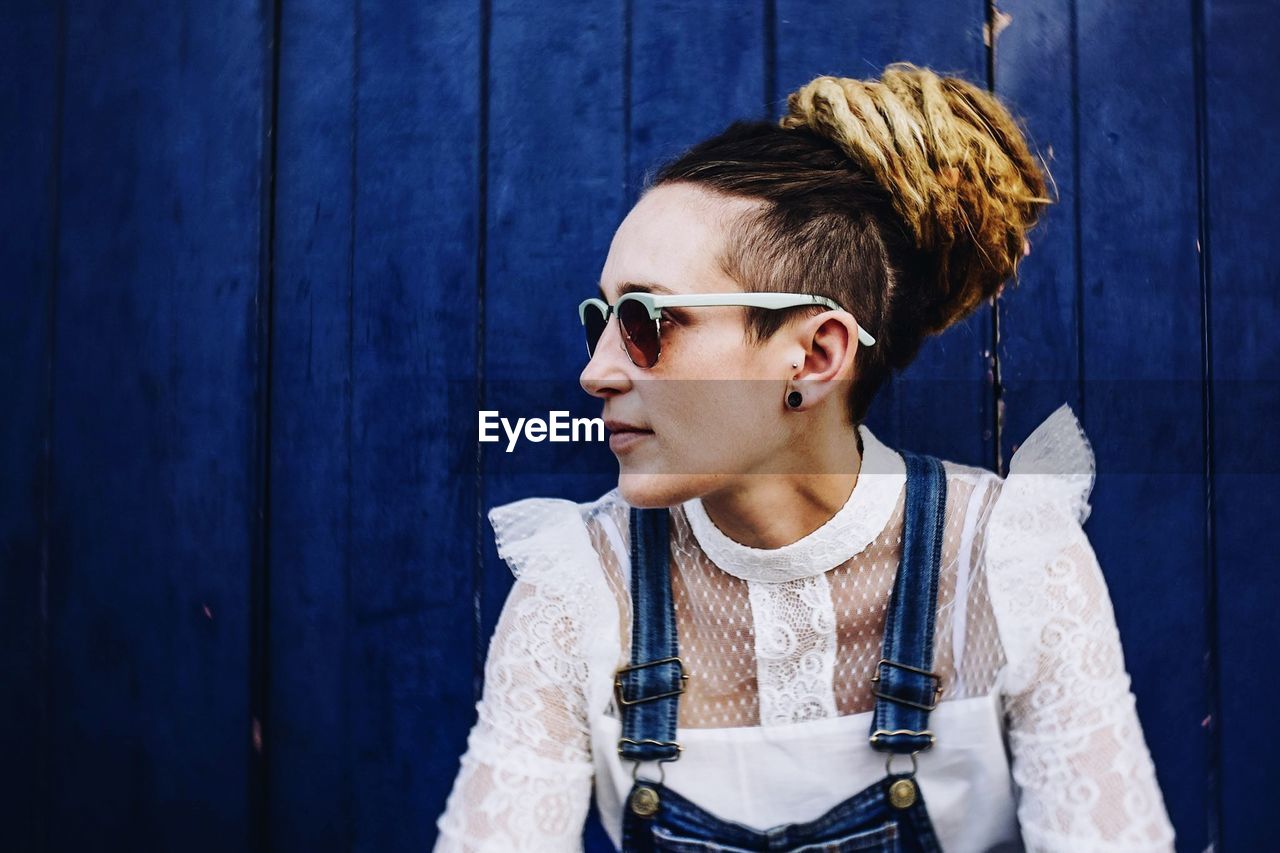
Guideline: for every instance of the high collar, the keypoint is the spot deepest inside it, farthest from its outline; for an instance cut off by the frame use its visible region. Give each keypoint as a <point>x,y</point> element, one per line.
<point>854,526</point>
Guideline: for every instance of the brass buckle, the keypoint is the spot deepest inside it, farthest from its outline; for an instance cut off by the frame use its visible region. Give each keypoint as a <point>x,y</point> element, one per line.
<point>617,681</point>
<point>936,692</point>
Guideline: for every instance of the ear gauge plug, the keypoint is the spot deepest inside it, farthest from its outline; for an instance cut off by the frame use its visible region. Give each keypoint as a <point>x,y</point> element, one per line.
<point>794,399</point>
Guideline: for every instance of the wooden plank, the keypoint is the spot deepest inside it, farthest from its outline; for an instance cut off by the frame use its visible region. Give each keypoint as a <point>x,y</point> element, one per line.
<point>1242,180</point>
<point>374,473</point>
<point>1142,372</point>
<point>312,795</point>
<point>414,311</point>
<point>943,402</point>
<point>30,65</point>
<point>1039,337</point>
<point>155,435</point>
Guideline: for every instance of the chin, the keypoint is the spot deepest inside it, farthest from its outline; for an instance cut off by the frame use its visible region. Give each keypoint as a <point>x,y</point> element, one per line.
<point>648,491</point>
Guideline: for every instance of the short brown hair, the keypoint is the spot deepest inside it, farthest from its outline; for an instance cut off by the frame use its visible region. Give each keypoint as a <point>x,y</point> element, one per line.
<point>906,200</point>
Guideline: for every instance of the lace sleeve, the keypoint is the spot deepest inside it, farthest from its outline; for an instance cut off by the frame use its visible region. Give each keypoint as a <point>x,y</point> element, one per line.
<point>1079,758</point>
<point>525,779</point>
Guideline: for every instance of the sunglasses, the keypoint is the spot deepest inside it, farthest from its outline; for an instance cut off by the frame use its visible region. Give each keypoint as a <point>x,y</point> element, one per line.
<point>640,315</point>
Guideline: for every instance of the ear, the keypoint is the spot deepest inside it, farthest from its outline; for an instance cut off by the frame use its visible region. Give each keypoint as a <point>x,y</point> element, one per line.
<point>828,344</point>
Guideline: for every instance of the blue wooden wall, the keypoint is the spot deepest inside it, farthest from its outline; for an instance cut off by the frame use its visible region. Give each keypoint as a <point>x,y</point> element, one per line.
<point>262,264</point>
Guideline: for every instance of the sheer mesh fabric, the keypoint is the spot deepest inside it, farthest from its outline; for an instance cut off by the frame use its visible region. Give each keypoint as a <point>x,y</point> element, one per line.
<point>717,629</point>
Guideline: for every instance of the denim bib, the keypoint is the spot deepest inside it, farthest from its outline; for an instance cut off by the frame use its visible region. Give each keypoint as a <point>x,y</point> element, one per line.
<point>889,814</point>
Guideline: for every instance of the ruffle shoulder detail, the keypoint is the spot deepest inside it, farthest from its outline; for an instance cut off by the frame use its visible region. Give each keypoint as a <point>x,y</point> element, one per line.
<point>1057,462</point>
<point>546,544</point>
<point>1036,519</point>
<point>542,538</point>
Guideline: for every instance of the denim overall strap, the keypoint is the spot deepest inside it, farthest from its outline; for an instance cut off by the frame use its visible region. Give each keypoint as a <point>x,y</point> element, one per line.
<point>906,691</point>
<point>647,692</point>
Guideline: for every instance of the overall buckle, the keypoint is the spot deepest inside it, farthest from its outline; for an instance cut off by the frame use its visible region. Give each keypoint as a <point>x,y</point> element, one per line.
<point>936,692</point>
<point>618,688</point>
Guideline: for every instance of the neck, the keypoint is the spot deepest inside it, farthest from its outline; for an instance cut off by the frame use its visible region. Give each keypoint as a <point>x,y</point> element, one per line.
<point>792,501</point>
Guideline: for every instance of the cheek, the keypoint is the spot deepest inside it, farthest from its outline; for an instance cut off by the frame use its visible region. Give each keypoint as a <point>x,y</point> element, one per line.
<point>718,426</point>
<point>713,350</point>
<point>713,413</point>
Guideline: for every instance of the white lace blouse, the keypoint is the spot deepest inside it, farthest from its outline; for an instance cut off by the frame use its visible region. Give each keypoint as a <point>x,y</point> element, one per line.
<point>1038,742</point>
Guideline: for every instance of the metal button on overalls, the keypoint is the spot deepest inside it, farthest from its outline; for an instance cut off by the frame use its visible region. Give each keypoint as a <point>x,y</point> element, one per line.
<point>902,793</point>
<point>644,801</point>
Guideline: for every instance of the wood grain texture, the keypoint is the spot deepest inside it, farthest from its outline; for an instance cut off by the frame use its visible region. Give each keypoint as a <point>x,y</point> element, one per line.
<point>155,488</point>
<point>1241,108</point>
<point>30,58</point>
<point>310,741</point>
<point>374,458</point>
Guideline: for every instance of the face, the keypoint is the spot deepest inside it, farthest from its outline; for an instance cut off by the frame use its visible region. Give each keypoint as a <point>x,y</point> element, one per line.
<point>712,410</point>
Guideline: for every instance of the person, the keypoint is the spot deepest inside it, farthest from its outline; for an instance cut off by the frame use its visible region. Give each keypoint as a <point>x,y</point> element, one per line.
<point>777,632</point>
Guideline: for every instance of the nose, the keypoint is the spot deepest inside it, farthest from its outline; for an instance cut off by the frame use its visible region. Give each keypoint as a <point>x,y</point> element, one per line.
<point>608,373</point>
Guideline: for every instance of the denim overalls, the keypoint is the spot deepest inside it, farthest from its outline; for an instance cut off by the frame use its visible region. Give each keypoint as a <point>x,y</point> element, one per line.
<point>887,815</point>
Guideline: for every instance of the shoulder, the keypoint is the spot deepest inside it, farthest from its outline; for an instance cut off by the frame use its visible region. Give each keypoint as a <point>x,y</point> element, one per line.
<point>1036,555</point>
<point>549,537</point>
<point>1053,467</point>
<point>1051,477</point>
<point>1046,492</point>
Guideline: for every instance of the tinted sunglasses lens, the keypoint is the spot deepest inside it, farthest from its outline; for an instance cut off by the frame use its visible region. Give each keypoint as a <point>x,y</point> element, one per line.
<point>593,322</point>
<point>640,332</point>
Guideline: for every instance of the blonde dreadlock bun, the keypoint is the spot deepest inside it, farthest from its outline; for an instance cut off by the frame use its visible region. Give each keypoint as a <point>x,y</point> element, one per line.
<point>955,163</point>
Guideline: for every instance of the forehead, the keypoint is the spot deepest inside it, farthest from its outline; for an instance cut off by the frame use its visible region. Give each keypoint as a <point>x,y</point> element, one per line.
<point>672,237</point>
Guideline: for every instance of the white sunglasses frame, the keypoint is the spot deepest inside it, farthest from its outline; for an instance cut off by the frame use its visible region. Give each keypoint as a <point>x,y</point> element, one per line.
<point>655,302</point>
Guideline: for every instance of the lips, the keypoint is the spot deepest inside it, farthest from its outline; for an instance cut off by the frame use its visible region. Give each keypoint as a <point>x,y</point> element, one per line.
<point>623,436</point>
<point>619,427</point>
